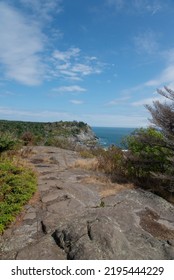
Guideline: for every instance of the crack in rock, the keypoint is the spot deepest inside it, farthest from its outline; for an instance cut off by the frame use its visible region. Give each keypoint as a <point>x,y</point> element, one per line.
<point>89,231</point>
<point>43,227</point>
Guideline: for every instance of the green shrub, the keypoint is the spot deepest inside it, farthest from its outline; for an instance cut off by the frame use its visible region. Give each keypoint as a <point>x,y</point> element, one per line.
<point>146,153</point>
<point>8,142</point>
<point>17,185</point>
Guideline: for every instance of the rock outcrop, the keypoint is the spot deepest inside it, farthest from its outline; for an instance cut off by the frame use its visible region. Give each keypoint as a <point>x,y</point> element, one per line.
<point>85,138</point>
<point>75,215</point>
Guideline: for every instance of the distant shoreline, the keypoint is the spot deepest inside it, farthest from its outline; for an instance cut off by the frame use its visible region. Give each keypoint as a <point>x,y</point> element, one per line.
<point>112,135</point>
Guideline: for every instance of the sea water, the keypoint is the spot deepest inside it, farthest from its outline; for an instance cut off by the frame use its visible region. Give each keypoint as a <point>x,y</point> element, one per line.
<point>112,135</point>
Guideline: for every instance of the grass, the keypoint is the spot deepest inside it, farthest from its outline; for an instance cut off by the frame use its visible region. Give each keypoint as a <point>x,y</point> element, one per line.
<point>89,164</point>
<point>17,186</point>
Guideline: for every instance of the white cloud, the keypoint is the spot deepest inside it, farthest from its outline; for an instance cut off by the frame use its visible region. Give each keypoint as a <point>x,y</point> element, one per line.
<point>82,68</point>
<point>148,101</point>
<point>73,65</point>
<point>146,42</point>
<point>24,47</point>
<point>151,6</point>
<point>77,102</point>
<point>141,6</point>
<point>66,55</point>
<point>73,88</point>
<point>115,120</point>
<point>43,8</point>
<point>10,113</point>
<point>118,4</point>
<point>120,100</point>
<point>20,47</point>
<point>165,78</point>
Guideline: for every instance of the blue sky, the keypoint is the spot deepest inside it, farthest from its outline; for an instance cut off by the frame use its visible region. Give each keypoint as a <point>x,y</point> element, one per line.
<point>97,61</point>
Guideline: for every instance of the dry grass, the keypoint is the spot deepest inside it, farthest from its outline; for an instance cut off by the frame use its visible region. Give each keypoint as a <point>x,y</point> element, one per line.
<point>114,188</point>
<point>99,180</point>
<point>26,152</point>
<point>89,164</point>
<point>107,188</point>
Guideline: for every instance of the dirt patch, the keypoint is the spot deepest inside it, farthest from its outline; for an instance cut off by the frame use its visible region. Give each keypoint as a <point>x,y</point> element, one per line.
<point>149,222</point>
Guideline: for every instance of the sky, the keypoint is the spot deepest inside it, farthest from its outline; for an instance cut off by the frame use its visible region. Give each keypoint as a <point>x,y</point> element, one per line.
<point>96,61</point>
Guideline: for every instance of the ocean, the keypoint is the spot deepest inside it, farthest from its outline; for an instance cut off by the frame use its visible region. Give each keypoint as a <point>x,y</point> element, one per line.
<point>112,135</point>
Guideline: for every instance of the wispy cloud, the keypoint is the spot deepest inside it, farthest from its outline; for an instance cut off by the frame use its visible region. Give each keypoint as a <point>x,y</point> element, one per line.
<point>118,4</point>
<point>65,56</point>
<point>21,45</point>
<point>141,6</point>
<point>116,120</point>
<point>151,6</point>
<point>76,102</point>
<point>167,74</point>
<point>69,89</point>
<point>24,47</point>
<point>10,113</point>
<point>7,93</point>
<point>165,78</point>
<point>147,101</point>
<point>146,42</point>
<point>73,65</point>
<point>118,101</point>
<point>42,8</point>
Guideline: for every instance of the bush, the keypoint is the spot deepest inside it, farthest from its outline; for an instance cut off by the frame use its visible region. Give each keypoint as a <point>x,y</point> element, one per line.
<point>17,185</point>
<point>111,162</point>
<point>8,142</point>
<point>146,156</point>
<point>28,138</point>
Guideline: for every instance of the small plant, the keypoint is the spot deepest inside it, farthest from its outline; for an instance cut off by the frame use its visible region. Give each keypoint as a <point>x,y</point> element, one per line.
<point>102,204</point>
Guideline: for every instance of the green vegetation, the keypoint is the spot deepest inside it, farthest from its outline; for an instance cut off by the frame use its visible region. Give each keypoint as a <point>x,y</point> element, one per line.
<point>145,155</point>
<point>151,150</point>
<point>17,183</point>
<point>40,133</point>
<point>149,159</point>
<point>8,142</point>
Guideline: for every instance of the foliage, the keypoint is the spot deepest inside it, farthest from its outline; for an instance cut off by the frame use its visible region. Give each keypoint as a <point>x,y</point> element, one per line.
<point>7,142</point>
<point>28,138</point>
<point>86,153</point>
<point>145,154</point>
<point>111,162</point>
<point>151,151</point>
<point>42,133</point>
<point>17,185</point>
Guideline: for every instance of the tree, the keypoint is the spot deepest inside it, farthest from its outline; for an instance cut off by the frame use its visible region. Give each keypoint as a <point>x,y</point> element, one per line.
<point>151,150</point>
<point>163,117</point>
